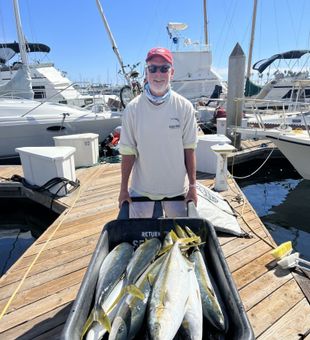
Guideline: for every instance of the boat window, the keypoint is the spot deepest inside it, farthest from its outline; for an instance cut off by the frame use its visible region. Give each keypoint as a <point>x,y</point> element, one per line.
<point>307,93</point>
<point>289,94</point>
<point>39,92</point>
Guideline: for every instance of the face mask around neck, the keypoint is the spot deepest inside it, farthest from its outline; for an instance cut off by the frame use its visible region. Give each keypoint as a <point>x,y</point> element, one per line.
<point>155,99</point>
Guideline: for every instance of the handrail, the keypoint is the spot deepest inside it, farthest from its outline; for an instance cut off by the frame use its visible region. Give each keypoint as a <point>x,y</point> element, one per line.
<point>286,108</point>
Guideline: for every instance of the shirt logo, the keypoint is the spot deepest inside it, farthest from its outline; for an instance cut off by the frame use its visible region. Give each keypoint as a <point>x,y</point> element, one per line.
<point>174,123</point>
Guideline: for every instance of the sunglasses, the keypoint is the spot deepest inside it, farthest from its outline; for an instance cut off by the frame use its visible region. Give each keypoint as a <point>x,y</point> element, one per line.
<point>162,68</point>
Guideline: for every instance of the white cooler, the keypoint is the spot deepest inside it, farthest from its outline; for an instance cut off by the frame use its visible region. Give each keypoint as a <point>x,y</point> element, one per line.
<point>41,164</point>
<point>86,144</point>
<point>205,157</point>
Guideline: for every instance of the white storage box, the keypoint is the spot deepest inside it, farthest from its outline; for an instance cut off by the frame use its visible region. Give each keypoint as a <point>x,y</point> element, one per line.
<point>41,164</point>
<point>205,114</point>
<point>86,144</point>
<point>205,157</point>
<point>221,126</point>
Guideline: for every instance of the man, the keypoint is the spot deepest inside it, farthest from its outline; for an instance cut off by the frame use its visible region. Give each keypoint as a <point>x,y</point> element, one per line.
<point>158,141</point>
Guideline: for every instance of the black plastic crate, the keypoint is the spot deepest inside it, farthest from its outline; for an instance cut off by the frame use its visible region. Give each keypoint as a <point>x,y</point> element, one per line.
<point>137,230</point>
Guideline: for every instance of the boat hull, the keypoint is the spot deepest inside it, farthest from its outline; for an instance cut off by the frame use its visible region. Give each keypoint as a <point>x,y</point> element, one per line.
<point>38,127</point>
<point>296,150</point>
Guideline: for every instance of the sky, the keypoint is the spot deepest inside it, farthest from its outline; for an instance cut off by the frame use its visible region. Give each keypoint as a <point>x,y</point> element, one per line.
<point>80,45</point>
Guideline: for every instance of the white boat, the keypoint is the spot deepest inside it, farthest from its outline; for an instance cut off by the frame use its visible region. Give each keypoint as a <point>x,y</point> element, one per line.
<point>285,83</point>
<point>48,83</point>
<point>31,123</point>
<point>27,122</point>
<point>194,77</point>
<point>295,145</point>
<point>269,119</point>
<point>294,113</point>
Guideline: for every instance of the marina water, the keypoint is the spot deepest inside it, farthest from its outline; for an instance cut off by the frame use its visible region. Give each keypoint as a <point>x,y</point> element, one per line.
<point>22,222</point>
<point>281,199</point>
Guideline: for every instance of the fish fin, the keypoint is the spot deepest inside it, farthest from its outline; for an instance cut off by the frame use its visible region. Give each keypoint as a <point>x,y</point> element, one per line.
<point>135,291</point>
<point>151,278</point>
<point>117,300</point>
<point>179,231</point>
<point>131,289</point>
<point>165,250</point>
<point>194,241</point>
<point>174,236</point>
<point>88,323</point>
<point>104,320</point>
<point>190,232</point>
<point>165,298</point>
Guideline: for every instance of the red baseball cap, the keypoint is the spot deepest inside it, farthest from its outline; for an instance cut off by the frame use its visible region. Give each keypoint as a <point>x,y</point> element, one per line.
<point>161,52</point>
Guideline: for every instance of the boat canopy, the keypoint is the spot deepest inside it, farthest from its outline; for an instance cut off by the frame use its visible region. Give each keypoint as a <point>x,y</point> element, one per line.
<point>261,65</point>
<point>8,50</point>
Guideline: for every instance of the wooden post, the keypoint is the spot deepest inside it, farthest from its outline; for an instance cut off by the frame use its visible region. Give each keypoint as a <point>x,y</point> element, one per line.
<point>236,73</point>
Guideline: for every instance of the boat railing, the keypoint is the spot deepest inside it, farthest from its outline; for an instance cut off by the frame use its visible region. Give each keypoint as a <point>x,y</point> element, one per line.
<point>13,95</point>
<point>19,94</point>
<point>208,102</point>
<point>89,92</point>
<point>283,109</point>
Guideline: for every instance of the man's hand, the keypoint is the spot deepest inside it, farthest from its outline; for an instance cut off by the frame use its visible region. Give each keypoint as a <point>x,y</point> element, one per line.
<point>192,195</point>
<point>123,197</point>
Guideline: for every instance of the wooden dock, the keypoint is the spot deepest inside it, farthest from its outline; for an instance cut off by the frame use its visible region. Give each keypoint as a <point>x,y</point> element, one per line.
<point>38,290</point>
<point>254,149</point>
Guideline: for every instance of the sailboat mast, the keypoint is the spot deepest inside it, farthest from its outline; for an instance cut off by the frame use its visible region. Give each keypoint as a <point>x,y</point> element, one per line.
<point>20,34</point>
<point>205,20</point>
<point>251,40</point>
<point>114,47</point>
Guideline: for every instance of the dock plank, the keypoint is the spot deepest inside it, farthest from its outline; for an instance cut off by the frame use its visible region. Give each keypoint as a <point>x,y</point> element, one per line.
<point>43,277</point>
<point>254,269</point>
<point>85,232</point>
<point>292,325</point>
<point>262,286</point>
<point>272,308</point>
<point>51,287</point>
<point>55,255</point>
<point>33,310</point>
<point>51,262</point>
<point>236,245</point>
<point>39,325</point>
<point>247,255</point>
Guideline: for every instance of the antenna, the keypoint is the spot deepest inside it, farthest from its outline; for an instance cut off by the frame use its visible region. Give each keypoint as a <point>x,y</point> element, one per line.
<point>174,29</point>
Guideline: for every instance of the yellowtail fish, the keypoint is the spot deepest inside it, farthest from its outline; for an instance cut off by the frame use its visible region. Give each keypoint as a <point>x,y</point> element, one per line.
<point>212,310</point>
<point>192,324</point>
<point>130,315</point>
<point>111,269</point>
<point>169,295</point>
<point>99,321</point>
<point>141,259</point>
<point>210,303</point>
